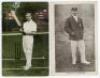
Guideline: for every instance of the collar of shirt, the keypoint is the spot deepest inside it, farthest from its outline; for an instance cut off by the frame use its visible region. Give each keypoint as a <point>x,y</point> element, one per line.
<point>76,18</point>
<point>29,21</point>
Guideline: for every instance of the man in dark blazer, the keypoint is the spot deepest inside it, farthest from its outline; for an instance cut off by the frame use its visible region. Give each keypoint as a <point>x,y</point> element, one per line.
<point>74,27</point>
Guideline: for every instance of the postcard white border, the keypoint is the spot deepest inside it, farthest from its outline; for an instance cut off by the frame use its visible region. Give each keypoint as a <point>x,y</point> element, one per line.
<point>52,43</point>
<point>52,25</point>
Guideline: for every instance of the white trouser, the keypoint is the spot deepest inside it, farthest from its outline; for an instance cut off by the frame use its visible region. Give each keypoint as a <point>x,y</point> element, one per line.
<point>81,47</point>
<point>27,47</point>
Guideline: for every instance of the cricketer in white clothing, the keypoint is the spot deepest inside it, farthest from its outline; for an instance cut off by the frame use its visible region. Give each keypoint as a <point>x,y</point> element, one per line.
<point>29,27</point>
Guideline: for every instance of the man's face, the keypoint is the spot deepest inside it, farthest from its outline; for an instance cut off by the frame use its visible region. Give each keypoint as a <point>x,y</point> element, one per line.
<point>74,13</point>
<point>28,17</point>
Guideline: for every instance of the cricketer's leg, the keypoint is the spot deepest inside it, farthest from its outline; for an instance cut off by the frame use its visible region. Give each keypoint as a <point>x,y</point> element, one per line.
<point>73,50</point>
<point>81,47</point>
<point>27,46</point>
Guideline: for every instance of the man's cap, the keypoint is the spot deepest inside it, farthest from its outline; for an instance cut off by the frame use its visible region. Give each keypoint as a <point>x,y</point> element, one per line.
<point>28,14</point>
<point>74,9</point>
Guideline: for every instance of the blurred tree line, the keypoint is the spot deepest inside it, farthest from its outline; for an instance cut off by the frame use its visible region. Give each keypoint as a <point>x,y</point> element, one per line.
<point>21,9</point>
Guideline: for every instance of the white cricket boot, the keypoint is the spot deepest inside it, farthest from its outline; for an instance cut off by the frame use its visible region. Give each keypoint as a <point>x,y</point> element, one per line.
<point>86,62</point>
<point>27,67</point>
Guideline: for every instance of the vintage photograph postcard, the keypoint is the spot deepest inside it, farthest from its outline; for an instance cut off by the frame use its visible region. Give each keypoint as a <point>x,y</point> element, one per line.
<point>75,37</point>
<point>25,47</point>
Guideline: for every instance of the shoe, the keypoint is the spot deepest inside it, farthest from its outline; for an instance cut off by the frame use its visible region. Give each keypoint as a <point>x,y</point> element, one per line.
<point>27,67</point>
<point>86,62</point>
<point>73,63</point>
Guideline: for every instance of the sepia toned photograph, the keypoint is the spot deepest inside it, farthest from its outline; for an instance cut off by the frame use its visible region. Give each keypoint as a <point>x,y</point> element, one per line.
<point>25,48</point>
<point>49,38</point>
<point>75,50</point>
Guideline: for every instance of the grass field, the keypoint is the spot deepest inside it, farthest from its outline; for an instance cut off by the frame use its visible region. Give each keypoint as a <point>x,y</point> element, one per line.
<point>14,59</point>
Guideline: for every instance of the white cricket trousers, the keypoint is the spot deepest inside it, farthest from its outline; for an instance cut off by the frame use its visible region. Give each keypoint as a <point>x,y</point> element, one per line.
<point>80,45</point>
<point>27,47</point>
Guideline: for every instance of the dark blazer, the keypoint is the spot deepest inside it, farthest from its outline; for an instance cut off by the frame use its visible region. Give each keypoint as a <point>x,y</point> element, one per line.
<point>74,29</point>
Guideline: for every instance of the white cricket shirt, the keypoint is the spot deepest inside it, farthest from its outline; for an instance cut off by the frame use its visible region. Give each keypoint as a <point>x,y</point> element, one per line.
<point>30,26</point>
